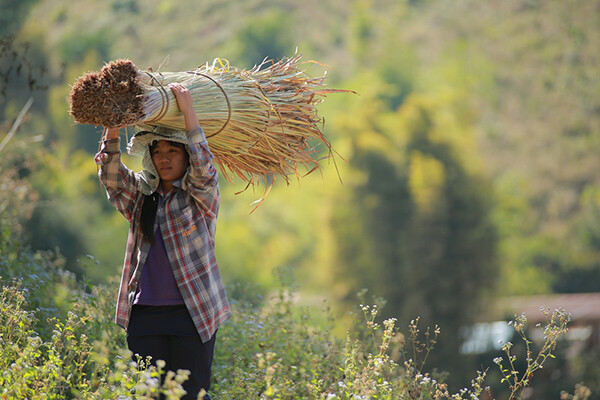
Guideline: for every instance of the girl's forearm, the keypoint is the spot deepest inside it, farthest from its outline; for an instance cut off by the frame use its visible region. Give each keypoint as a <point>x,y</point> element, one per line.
<point>191,120</point>
<point>111,133</point>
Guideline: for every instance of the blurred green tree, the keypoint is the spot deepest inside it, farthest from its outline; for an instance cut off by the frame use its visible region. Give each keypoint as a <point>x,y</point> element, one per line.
<point>14,12</point>
<point>268,35</point>
<point>537,124</point>
<point>414,225</point>
<point>419,234</point>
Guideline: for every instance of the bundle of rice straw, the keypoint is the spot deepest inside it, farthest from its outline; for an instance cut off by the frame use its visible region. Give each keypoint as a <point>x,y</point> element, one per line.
<point>259,122</point>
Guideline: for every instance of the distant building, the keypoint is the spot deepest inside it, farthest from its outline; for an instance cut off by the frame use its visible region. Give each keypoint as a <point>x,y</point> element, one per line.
<point>493,329</point>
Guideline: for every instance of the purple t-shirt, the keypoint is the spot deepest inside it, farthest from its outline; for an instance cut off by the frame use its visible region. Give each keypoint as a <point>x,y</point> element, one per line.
<point>157,286</point>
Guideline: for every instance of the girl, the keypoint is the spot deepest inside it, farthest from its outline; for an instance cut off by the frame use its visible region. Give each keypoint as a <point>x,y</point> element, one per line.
<point>171,299</point>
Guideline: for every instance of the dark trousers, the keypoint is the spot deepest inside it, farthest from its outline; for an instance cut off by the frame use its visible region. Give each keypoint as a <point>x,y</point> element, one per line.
<point>178,352</point>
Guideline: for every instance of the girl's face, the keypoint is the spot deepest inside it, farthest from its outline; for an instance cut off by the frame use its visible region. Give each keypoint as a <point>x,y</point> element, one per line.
<point>170,160</point>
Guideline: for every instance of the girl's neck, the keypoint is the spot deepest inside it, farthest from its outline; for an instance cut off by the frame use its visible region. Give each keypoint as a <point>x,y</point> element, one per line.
<point>166,186</point>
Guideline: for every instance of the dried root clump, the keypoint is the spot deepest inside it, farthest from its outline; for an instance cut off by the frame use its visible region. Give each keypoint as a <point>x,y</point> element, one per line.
<point>111,97</point>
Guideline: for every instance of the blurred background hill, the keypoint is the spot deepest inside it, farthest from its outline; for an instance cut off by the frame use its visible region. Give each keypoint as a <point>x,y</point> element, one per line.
<point>468,166</point>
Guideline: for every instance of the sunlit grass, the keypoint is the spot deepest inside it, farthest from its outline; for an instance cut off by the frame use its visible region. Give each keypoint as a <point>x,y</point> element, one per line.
<point>67,347</point>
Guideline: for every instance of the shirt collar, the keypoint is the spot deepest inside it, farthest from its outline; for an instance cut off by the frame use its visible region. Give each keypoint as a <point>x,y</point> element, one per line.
<point>177,183</point>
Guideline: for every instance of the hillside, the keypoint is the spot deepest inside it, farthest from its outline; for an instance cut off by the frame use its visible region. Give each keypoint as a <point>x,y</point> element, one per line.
<point>467,166</point>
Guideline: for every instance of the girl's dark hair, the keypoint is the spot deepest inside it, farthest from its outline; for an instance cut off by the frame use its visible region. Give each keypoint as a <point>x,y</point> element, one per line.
<point>149,207</point>
<point>150,204</point>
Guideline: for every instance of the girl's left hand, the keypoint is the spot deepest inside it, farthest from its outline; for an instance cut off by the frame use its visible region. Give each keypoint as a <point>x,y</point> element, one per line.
<point>185,101</point>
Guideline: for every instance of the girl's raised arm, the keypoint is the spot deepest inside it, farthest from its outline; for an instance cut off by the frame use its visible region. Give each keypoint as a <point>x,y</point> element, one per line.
<point>185,101</point>
<point>111,133</point>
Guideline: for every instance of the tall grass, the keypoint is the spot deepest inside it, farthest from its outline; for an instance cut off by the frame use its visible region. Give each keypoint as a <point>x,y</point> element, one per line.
<point>58,341</point>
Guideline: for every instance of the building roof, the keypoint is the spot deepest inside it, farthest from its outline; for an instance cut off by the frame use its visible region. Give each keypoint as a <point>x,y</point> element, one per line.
<point>583,307</point>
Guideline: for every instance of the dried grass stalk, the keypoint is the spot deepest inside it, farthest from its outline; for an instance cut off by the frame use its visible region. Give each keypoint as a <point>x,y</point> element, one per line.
<point>259,123</point>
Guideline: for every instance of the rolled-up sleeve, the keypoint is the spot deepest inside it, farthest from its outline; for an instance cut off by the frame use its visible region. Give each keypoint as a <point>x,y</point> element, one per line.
<point>119,181</point>
<point>202,181</point>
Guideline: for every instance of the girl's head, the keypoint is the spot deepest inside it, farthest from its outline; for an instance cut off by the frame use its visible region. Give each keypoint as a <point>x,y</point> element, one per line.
<point>170,159</point>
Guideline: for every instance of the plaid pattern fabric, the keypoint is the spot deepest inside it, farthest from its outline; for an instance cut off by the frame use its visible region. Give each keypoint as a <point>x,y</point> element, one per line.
<point>187,219</point>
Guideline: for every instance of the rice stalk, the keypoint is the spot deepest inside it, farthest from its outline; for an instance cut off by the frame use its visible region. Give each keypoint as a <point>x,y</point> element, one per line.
<point>259,123</point>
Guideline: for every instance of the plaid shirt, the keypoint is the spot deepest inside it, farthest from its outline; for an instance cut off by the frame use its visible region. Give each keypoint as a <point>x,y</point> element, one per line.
<point>187,219</point>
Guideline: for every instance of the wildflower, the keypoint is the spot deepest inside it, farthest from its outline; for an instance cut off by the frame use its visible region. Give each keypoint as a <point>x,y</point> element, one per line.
<point>389,323</point>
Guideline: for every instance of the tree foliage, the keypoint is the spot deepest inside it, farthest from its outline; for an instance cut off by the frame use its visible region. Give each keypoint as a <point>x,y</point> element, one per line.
<point>14,12</point>
<point>416,228</point>
<point>538,132</point>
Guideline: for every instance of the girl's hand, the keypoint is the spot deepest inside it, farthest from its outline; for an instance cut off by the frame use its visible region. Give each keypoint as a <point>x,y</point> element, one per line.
<point>185,101</point>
